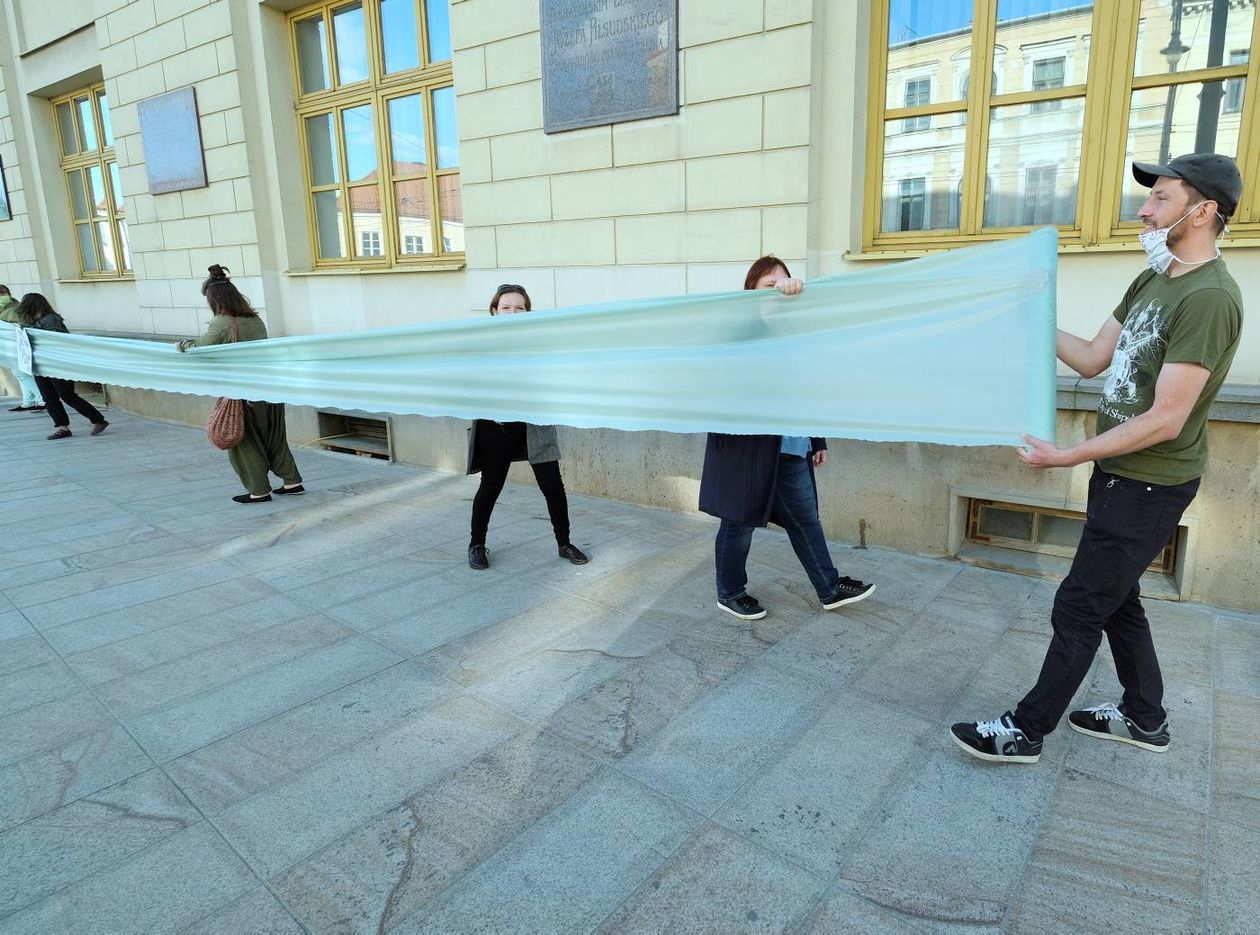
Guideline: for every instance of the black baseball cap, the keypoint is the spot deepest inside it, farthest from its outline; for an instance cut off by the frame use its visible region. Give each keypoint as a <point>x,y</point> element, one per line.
<point>1213,175</point>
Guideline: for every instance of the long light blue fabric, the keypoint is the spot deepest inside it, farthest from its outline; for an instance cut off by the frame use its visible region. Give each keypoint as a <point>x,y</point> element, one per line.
<point>955,348</point>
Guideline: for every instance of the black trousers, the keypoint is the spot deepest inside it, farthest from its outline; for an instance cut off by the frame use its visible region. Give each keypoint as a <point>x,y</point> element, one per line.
<point>496,445</point>
<point>57,391</point>
<point>1127,523</point>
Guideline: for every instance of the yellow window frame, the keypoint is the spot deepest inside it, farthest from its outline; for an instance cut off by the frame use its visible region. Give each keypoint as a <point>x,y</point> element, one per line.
<point>80,163</point>
<point>377,91</point>
<point>1107,92</point>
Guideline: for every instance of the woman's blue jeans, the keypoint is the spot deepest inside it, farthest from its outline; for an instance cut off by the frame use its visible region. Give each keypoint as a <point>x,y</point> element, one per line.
<point>795,508</point>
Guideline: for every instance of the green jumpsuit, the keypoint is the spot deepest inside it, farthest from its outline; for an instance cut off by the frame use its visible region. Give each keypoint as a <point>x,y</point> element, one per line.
<point>265,446</point>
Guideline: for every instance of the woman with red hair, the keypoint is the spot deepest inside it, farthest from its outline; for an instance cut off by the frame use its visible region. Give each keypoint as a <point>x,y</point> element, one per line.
<point>750,481</point>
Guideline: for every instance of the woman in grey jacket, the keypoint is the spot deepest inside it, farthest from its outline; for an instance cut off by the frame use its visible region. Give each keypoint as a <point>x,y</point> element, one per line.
<point>493,446</point>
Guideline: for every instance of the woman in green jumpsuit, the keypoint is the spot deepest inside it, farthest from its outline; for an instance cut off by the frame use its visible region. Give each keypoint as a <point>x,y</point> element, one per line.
<point>265,446</point>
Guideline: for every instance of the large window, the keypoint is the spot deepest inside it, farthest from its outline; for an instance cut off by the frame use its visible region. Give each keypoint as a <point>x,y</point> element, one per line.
<point>376,108</point>
<point>1072,92</point>
<point>86,138</point>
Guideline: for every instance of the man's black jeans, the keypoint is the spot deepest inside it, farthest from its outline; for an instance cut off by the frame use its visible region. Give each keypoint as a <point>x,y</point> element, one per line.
<point>1127,523</point>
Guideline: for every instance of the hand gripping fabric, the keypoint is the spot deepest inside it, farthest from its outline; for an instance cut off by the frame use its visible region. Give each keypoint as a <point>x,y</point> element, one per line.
<point>955,348</point>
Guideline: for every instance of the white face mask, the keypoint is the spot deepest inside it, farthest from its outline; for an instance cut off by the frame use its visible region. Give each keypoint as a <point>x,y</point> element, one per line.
<point>1155,243</point>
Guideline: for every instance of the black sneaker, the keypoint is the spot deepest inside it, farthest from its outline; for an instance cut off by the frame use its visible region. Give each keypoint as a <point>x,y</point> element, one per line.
<point>849,591</point>
<point>573,554</point>
<point>745,607</point>
<point>478,557</point>
<point>997,741</point>
<point>1109,722</point>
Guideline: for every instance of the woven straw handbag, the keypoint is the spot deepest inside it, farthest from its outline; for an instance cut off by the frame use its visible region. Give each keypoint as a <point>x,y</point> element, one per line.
<point>226,426</point>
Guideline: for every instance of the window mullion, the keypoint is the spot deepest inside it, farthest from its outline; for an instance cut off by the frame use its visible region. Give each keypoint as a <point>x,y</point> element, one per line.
<point>347,207</point>
<point>1096,140</point>
<point>876,99</point>
<point>1118,85</point>
<point>334,73</point>
<point>385,178</point>
<point>979,93</point>
<point>1249,135</point>
<point>422,30</point>
<point>430,148</point>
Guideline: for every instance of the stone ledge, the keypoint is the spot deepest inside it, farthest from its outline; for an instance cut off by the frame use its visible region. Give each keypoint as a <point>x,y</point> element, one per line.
<point>1237,402</point>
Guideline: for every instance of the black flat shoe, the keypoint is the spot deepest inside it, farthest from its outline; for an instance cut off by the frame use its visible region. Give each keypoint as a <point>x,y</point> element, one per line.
<point>289,491</point>
<point>478,558</point>
<point>250,498</point>
<point>573,554</point>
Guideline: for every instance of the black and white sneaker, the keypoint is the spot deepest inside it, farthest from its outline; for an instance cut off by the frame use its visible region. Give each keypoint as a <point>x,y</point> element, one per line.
<point>1109,722</point>
<point>849,591</point>
<point>997,741</point>
<point>745,607</point>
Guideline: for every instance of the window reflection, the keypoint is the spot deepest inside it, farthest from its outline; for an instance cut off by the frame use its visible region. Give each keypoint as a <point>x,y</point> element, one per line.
<point>1034,155</point>
<point>922,173</point>
<point>312,54</point>
<point>918,30</point>
<point>1176,35</point>
<point>351,43</point>
<point>399,35</point>
<point>1186,118</point>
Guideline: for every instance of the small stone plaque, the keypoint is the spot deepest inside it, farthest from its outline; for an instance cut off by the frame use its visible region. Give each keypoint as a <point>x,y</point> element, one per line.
<point>608,61</point>
<point>171,133</point>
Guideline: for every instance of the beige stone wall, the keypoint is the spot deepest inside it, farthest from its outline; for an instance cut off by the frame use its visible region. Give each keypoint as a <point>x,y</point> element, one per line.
<point>164,45</point>
<point>661,206</point>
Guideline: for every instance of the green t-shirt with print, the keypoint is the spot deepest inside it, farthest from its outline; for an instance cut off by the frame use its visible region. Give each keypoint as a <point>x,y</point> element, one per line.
<point>1195,318</point>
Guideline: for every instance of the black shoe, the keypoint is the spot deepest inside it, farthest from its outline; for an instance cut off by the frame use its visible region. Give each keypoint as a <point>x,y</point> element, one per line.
<point>61,432</point>
<point>250,498</point>
<point>98,427</point>
<point>745,607</point>
<point>849,591</point>
<point>289,491</point>
<point>21,408</point>
<point>478,557</point>
<point>997,741</point>
<point>573,554</point>
<point>1109,722</point>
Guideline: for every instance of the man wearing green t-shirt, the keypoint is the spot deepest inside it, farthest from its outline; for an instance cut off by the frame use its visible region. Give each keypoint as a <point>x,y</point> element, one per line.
<point>1169,344</point>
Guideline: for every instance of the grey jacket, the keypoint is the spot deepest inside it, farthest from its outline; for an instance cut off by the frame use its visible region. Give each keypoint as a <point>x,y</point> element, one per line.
<point>541,441</point>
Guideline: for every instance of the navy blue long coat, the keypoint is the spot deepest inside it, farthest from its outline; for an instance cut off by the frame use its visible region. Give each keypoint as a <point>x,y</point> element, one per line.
<point>737,483</point>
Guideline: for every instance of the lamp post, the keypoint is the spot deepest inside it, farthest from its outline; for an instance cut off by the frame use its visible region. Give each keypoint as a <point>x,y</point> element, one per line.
<point>1172,54</point>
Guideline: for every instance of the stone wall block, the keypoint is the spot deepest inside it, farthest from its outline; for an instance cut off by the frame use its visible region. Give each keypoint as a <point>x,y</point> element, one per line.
<point>750,65</point>
<point>699,23</point>
<point>480,22</point>
<point>511,61</point>
<point>695,237</point>
<point>559,243</point>
<point>777,177</point>
<point>513,202</point>
<point>158,43</point>
<point>191,66</point>
<point>532,152</point>
<point>500,110</point>
<point>649,189</point>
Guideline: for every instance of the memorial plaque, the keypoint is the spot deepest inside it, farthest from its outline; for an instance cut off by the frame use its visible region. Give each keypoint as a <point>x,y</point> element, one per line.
<point>171,133</point>
<point>608,61</point>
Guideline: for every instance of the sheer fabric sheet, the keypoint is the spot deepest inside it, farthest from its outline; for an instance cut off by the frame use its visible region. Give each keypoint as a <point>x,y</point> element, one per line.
<point>955,348</point>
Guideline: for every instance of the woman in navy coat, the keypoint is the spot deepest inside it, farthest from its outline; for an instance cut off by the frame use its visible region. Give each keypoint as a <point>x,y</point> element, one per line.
<point>750,481</point>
